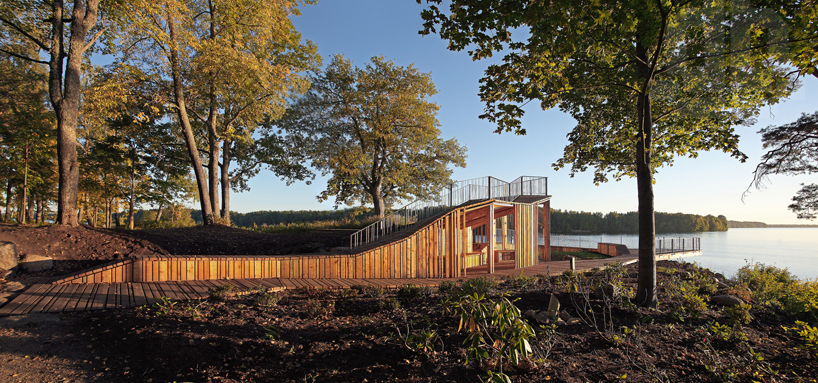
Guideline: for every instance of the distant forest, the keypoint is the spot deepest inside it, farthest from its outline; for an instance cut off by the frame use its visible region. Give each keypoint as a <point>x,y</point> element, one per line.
<point>751,224</point>
<point>572,222</point>
<point>282,217</point>
<point>562,221</point>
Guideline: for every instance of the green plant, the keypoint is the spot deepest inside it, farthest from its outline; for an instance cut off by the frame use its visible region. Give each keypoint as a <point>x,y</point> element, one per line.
<point>497,335</point>
<point>520,280</point>
<point>572,280</point>
<point>420,343</point>
<point>271,332</point>
<point>410,292</point>
<point>222,292</point>
<point>371,291</point>
<point>739,314</point>
<point>388,304</point>
<point>685,300</point>
<point>266,299</point>
<point>479,286</point>
<point>741,363</point>
<point>346,293</point>
<point>164,305</point>
<point>779,288</point>
<point>446,287</point>
<point>315,308</point>
<point>727,333</point>
<point>809,334</point>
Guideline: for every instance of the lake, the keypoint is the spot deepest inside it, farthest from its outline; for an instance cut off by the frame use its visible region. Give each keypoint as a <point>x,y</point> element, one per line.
<point>795,249</point>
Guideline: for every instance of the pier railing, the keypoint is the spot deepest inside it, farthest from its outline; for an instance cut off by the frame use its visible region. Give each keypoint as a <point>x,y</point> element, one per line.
<point>663,245</point>
<point>457,193</point>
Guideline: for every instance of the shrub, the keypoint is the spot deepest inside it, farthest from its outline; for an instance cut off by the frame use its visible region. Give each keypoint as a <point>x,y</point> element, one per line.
<point>410,292</point>
<point>809,334</point>
<point>315,308</point>
<point>520,280</point>
<point>480,286</point>
<point>346,293</point>
<point>266,299</point>
<point>739,314</point>
<point>222,292</point>
<point>371,291</point>
<point>779,288</point>
<point>388,304</point>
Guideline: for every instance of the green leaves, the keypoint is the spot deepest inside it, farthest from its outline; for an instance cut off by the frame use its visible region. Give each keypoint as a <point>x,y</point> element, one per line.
<point>373,130</point>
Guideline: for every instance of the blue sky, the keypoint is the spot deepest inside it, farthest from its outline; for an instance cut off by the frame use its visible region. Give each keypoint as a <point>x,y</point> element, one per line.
<point>710,184</point>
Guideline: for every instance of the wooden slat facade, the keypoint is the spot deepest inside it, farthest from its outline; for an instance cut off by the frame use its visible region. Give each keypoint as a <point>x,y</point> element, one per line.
<point>439,249</point>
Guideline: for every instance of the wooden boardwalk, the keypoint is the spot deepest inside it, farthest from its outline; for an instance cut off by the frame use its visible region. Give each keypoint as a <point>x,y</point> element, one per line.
<point>57,298</point>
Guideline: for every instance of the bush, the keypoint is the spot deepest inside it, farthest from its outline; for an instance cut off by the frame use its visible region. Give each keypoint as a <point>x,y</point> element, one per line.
<point>779,288</point>
<point>222,292</point>
<point>388,304</point>
<point>412,292</point>
<point>370,291</point>
<point>267,299</point>
<point>315,308</point>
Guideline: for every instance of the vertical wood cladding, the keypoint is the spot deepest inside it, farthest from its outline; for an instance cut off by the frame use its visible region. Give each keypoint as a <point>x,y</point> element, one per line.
<point>438,250</point>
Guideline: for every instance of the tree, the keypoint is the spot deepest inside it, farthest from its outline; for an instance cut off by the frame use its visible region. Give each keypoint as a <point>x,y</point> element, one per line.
<point>374,131</point>
<point>230,65</point>
<point>43,23</point>
<point>645,80</point>
<point>806,202</point>
<point>793,150</point>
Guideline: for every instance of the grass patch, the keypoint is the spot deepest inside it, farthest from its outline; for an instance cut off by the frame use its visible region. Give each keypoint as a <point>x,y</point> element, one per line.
<point>298,227</point>
<point>563,255</point>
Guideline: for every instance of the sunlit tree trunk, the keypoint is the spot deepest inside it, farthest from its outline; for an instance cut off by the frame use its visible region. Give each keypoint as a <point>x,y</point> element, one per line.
<point>226,181</point>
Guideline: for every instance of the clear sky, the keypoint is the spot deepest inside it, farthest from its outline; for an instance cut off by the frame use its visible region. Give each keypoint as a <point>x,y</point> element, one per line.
<point>711,184</point>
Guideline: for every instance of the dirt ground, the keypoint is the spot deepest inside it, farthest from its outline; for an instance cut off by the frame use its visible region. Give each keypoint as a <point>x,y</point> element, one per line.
<point>360,335</point>
<point>78,248</point>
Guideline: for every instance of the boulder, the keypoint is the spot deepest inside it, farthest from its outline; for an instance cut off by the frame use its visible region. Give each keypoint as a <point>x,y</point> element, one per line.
<point>14,287</point>
<point>8,256</point>
<point>35,263</point>
<point>726,300</point>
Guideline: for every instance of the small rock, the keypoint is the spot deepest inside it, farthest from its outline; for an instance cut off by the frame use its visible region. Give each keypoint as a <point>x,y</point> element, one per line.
<point>726,300</point>
<point>8,256</point>
<point>35,263</point>
<point>13,287</point>
<point>553,304</point>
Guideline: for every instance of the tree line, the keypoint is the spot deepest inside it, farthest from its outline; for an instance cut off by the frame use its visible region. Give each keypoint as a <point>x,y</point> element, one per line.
<point>572,222</point>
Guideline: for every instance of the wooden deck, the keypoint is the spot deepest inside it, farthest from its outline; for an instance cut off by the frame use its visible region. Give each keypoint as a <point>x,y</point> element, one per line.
<point>57,298</point>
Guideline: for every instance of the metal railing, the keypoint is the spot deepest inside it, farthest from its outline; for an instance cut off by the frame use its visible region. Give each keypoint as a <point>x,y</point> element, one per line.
<point>457,193</point>
<point>663,245</point>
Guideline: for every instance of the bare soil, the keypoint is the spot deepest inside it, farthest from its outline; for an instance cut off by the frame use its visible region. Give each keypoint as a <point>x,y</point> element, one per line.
<point>353,336</point>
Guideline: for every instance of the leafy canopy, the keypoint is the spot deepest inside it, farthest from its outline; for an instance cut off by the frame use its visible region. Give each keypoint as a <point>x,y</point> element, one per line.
<point>705,66</point>
<point>374,131</point>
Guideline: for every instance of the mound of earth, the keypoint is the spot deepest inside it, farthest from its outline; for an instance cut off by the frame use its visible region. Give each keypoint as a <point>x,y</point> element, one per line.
<point>82,247</point>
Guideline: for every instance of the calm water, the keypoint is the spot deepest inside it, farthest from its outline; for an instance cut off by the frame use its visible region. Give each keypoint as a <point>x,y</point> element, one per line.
<point>795,249</point>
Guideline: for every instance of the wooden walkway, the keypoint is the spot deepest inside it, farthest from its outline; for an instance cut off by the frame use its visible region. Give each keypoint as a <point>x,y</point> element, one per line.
<point>56,298</point>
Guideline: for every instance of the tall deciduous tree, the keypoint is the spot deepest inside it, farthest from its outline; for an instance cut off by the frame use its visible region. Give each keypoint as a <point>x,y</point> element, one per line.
<point>231,64</point>
<point>374,131</point>
<point>44,23</point>
<point>645,80</point>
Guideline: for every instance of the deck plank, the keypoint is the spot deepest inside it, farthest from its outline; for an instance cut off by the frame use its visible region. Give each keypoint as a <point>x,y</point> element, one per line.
<point>25,300</point>
<point>49,298</point>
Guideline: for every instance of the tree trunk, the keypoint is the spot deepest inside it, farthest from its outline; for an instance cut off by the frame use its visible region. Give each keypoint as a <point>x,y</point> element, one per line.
<point>80,212</point>
<point>30,210</point>
<point>213,169</point>
<point>107,213</point>
<point>226,181</point>
<point>190,140</point>
<point>131,204</point>
<point>158,213</point>
<point>25,187</point>
<point>96,214</point>
<point>64,91</point>
<point>8,200</point>
<point>646,280</point>
<point>377,199</point>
